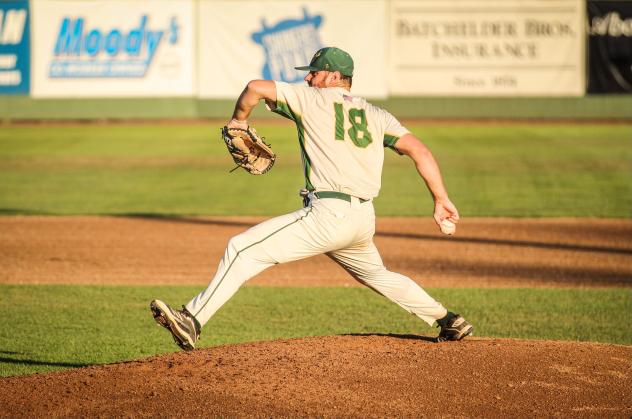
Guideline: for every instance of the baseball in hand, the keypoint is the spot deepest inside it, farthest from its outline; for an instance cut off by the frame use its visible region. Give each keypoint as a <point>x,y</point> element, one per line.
<point>448,227</point>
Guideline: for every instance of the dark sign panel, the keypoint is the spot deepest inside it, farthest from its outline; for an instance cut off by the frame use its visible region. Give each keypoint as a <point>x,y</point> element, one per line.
<point>14,47</point>
<point>610,46</point>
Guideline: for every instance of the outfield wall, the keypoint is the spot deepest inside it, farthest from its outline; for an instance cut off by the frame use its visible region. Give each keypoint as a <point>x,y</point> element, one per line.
<point>537,59</point>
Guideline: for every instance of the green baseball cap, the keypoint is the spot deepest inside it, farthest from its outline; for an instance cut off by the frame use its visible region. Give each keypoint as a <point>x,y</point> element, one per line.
<point>330,59</point>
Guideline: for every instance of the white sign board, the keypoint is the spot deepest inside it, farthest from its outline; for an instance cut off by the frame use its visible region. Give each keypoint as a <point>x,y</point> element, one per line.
<point>244,40</point>
<point>487,47</point>
<point>111,48</point>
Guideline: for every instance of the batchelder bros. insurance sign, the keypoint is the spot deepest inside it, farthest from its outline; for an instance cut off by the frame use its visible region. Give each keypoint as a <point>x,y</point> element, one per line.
<point>488,47</point>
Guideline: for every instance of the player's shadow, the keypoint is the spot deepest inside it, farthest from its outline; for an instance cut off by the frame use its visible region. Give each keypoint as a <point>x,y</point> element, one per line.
<point>4,360</point>
<point>22,211</point>
<point>395,335</point>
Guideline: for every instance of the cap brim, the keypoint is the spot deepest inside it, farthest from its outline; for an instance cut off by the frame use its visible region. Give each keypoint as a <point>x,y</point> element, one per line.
<point>306,68</point>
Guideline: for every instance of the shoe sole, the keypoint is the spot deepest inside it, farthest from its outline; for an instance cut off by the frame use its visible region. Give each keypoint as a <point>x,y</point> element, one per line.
<point>464,333</point>
<point>162,316</point>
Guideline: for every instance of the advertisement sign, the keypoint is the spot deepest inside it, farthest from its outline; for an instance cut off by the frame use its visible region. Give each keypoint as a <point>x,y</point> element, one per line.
<point>610,46</point>
<point>487,47</point>
<point>276,36</point>
<point>113,48</point>
<point>14,47</point>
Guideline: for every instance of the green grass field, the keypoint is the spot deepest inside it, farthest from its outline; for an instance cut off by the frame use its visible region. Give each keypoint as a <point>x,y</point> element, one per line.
<point>51,327</point>
<point>515,170</point>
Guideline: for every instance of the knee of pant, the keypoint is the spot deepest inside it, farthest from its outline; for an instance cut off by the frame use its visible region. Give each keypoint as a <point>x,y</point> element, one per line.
<point>237,243</point>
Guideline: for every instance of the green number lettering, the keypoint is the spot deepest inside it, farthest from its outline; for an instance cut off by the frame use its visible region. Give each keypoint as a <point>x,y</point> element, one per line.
<point>359,131</point>
<point>340,121</point>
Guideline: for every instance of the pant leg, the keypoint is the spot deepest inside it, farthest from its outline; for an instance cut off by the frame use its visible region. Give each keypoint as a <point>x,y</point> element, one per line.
<point>303,233</point>
<point>364,263</point>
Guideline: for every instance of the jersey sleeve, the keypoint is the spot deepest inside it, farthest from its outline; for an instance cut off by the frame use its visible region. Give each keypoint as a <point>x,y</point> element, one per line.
<point>393,131</point>
<point>291,100</point>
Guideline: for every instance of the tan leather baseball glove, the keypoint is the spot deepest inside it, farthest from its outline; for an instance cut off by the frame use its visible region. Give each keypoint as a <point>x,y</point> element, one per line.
<point>248,150</point>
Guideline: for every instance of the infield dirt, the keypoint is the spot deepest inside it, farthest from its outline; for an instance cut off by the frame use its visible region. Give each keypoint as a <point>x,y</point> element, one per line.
<point>337,376</point>
<point>343,376</point>
<point>485,252</point>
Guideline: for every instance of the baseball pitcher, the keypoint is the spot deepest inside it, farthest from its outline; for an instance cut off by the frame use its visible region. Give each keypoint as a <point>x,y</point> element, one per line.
<point>342,139</point>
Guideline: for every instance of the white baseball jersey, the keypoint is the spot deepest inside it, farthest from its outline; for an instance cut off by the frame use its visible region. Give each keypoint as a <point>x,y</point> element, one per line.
<point>342,140</point>
<point>342,137</point>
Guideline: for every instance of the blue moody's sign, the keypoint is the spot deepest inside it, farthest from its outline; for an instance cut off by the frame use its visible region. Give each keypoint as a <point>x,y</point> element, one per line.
<point>15,53</point>
<point>289,43</point>
<point>82,50</point>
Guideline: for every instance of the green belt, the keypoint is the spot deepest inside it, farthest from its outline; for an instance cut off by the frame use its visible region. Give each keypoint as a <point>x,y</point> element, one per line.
<point>337,195</point>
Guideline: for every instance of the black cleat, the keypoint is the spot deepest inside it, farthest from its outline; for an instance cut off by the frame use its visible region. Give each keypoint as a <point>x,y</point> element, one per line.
<point>456,329</point>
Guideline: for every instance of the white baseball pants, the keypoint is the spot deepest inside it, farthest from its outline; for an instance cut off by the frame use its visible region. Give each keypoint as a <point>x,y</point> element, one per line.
<point>343,230</point>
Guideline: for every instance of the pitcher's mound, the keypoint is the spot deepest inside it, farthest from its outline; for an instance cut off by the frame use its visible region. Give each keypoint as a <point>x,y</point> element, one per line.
<point>343,376</point>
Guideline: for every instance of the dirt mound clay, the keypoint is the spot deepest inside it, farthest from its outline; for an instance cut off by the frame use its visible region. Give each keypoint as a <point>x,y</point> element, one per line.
<point>485,252</point>
<point>343,376</point>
